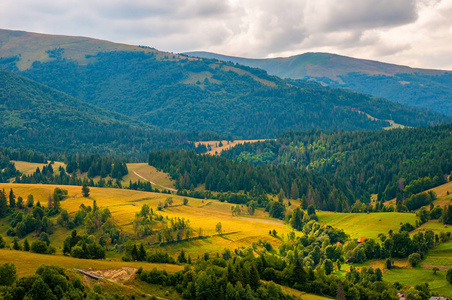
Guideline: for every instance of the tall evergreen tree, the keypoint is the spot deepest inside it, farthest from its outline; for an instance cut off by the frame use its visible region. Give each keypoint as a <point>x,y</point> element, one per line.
<point>85,190</point>
<point>3,204</point>
<point>56,200</point>
<point>297,219</point>
<point>12,199</point>
<point>142,253</point>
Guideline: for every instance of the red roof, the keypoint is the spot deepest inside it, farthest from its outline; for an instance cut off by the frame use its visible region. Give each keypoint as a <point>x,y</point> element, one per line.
<point>338,243</point>
<point>361,239</point>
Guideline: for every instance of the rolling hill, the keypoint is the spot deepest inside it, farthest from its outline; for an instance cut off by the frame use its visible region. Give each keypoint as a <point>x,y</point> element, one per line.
<point>37,117</point>
<point>409,86</point>
<point>180,93</point>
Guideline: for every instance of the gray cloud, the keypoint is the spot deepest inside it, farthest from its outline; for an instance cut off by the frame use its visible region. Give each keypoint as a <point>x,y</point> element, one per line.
<point>393,31</point>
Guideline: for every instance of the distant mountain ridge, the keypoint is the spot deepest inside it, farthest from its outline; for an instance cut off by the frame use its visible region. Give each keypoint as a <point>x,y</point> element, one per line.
<point>180,93</point>
<point>410,86</point>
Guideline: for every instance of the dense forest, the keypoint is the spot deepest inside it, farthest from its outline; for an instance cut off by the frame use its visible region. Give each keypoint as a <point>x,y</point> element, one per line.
<point>200,95</point>
<point>223,175</point>
<point>36,117</point>
<point>392,163</point>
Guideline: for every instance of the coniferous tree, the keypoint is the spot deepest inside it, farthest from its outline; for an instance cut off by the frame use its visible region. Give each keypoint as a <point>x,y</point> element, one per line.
<point>134,252</point>
<point>26,245</point>
<point>30,201</point>
<point>142,253</point>
<point>297,219</point>
<point>85,190</point>
<point>12,199</point>
<point>182,258</point>
<point>447,214</point>
<point>3,204</point>
<point>56,200</point>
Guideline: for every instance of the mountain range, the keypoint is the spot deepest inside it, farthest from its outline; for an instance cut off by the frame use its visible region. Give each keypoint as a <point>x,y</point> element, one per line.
<point>431,89</point>
<point>117,92</point>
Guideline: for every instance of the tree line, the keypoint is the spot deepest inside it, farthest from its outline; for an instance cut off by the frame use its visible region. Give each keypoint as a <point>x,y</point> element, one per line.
<point>391,163</point>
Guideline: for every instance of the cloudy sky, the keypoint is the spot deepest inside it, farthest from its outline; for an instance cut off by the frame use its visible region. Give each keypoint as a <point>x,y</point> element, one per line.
<point>417,33</point>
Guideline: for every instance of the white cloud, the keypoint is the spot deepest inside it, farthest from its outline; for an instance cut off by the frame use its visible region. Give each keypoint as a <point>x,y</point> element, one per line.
<point>410,32</point>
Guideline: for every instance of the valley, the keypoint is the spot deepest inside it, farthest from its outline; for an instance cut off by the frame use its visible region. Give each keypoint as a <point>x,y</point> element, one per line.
<point>127,172</point>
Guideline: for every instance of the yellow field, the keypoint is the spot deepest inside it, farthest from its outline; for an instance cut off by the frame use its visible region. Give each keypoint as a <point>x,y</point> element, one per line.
<point>441,194</point>
<point>226,145</point>
<point>27,263</point>
<point>159,179</point>
<point>29,168</point>
<point>137,171</point>
<point>367,225</point>
<point>124,204</point>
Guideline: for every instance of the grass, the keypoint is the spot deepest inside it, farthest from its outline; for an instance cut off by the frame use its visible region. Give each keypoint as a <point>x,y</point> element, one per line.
<point>441,193</point>
<point>238,231</point>
<point>27,262</point>
<point>160,179</point>
<point>367,225</point>
<point>299,294</point>
<point>29,168</point>
<point>33,47</point>
<point>440,257</point>
<point>435,226</point>
<point>412,277</point>
<point>216,150</point>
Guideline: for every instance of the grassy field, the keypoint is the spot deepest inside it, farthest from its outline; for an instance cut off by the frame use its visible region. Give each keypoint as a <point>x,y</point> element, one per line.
<point>216,149</point>
<point>159,179</point>
<point>299,294</point>
<point>28,168</point>
<point>441,193</point>
<point>27,262</point>
<point>238,231</point>
<point>367,225</point>
<point>411,277</point>
<point>440,257</point>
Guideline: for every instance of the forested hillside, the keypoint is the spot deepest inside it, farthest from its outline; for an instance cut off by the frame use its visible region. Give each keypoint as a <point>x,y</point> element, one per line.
<point>181,93</point>
<point>39,118</point>
<point>224,175</point>
<point>409,86</point>
<point>393,163</point>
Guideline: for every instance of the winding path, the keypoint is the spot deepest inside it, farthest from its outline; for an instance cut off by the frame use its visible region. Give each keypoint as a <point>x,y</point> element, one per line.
<point>165,187</point>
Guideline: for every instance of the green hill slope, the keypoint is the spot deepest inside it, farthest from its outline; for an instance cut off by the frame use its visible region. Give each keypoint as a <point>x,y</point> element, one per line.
<point>181,93</point>
<point>390,163</point>
<point>410,86</point>
<point>37,117</point>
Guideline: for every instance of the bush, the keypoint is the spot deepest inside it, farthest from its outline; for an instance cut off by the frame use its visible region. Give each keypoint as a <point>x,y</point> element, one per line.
<point>39,247</point>
<point>7,274</point>
<point>449,275</point>
<point>414,259</point>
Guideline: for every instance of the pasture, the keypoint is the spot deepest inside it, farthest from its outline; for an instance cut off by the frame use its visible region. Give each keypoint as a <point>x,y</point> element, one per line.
<point>413,276</point>
<point>143,171</point>
<point>137,172</point>
<point>27,262</point>
<point>217,149</point>
<point>237,231</point>
<point>29,168</point>
<point>368,225</point>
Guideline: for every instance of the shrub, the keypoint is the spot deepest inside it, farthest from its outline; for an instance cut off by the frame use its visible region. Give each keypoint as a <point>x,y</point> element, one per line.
<point>449,275</point>
<point>39,247</point>
<point>414,259</point>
